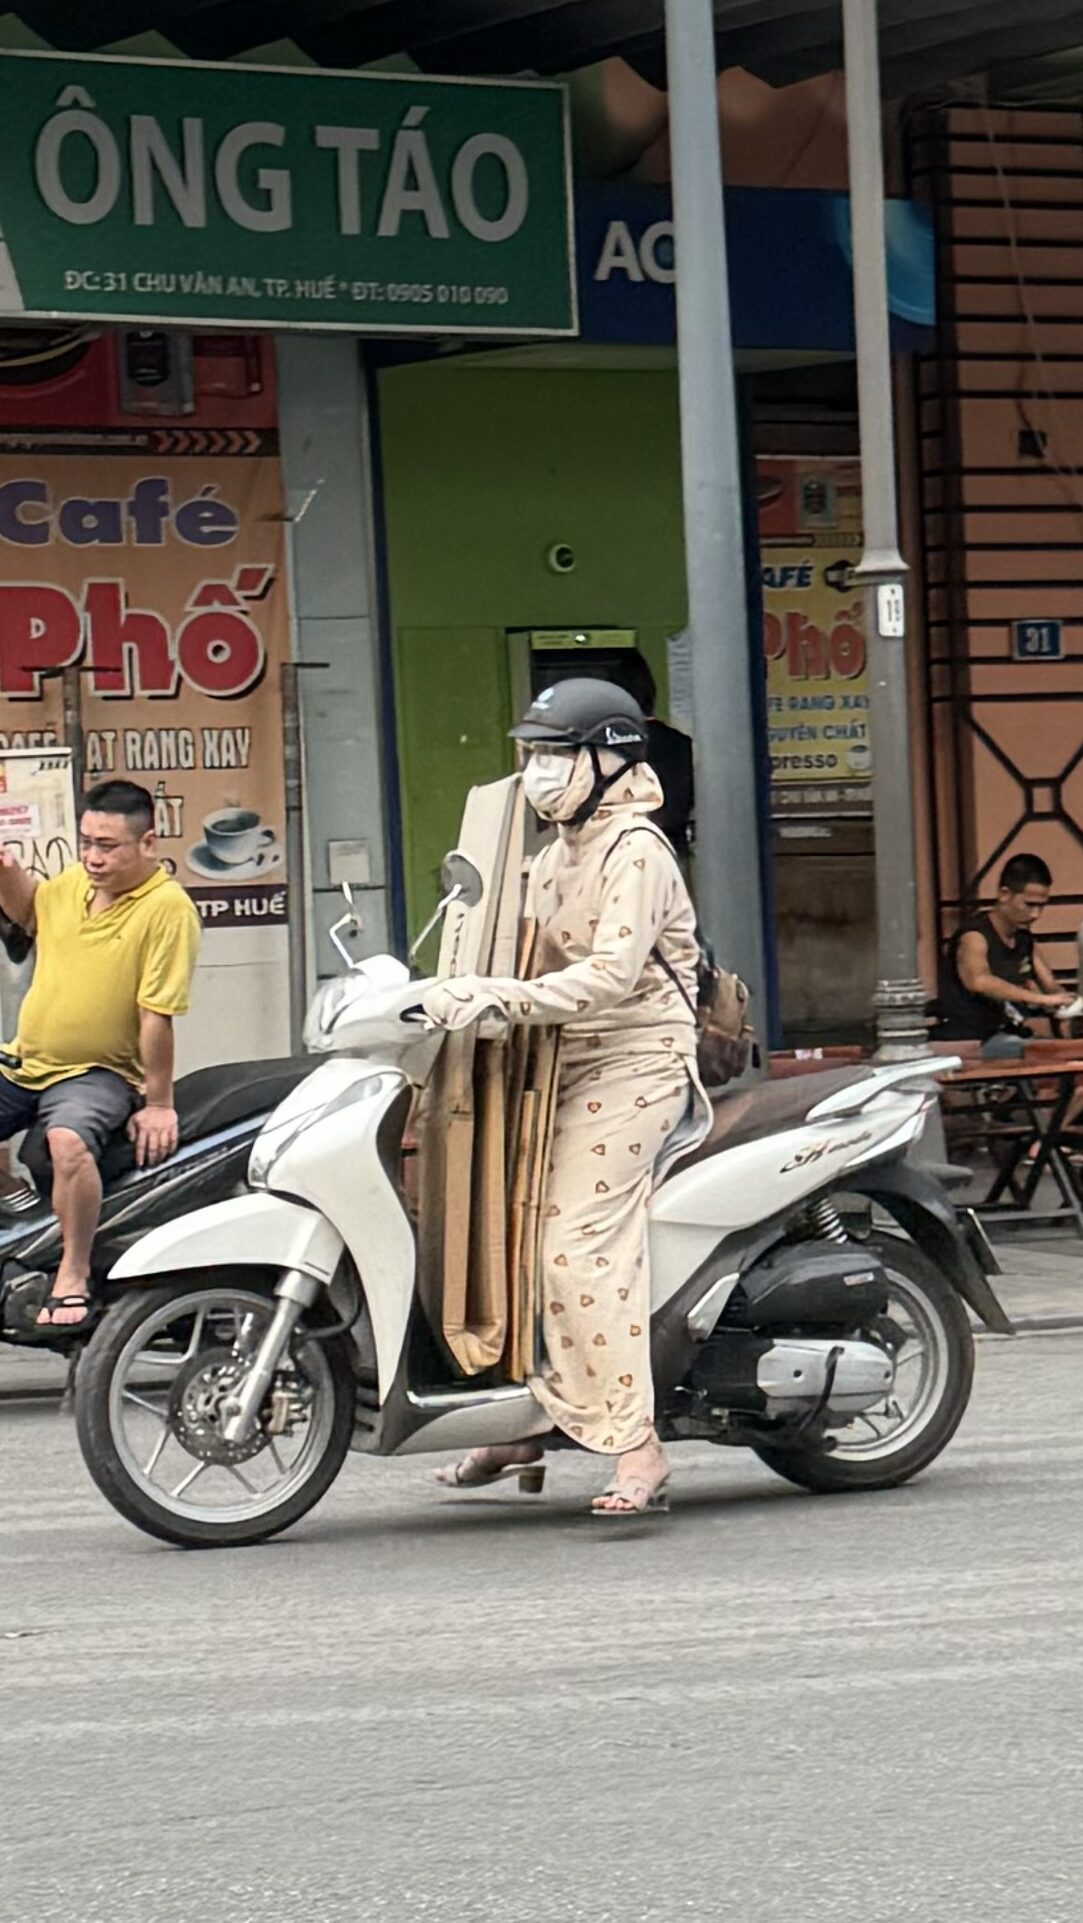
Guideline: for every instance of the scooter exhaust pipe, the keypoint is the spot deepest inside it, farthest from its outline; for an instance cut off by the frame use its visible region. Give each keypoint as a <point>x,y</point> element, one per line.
<point>295,1293</point>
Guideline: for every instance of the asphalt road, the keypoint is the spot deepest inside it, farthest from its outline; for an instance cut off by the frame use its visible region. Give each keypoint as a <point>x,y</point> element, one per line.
<point>422,1705</point>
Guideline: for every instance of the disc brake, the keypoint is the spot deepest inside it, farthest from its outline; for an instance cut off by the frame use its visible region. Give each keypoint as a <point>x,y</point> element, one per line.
<point>200,1389</point>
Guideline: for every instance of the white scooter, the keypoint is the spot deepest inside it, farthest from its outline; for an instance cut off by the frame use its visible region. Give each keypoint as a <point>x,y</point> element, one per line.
<point>250,1345</point>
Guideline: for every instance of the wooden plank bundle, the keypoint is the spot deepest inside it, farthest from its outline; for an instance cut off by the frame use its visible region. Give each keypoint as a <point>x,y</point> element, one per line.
<point>529,1139</point>
<point>485,1122</point>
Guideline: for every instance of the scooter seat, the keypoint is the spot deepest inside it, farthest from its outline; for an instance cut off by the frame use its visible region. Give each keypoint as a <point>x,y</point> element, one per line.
<point>771,1108</point>
<point>215,1098</point>
<point>210,1099</point>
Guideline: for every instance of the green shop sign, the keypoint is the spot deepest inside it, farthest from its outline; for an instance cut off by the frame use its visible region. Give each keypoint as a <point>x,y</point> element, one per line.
<point>142,190</point>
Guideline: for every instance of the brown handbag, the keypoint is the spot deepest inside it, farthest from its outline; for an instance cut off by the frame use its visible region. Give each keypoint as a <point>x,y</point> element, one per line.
<point>725,1040</point>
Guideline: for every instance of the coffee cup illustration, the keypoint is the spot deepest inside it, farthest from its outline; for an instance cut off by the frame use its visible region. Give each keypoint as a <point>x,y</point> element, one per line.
<point>237,846</point>
<point>235,835</point>
<point>859,758</point>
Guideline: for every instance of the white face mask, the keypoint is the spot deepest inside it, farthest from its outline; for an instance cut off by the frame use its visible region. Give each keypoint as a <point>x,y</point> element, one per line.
<point>556,785</point>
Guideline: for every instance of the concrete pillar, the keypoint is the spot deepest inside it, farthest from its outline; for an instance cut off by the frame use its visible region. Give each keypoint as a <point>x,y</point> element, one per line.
<point>323,435</point>
<point>728,873</point>
<point>900,994</point>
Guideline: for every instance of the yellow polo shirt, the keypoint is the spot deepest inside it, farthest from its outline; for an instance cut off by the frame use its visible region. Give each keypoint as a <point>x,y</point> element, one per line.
<point>93,973</point>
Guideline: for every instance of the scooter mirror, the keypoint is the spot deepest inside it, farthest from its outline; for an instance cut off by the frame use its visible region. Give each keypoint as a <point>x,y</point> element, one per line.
<point>349,925</point>
<point>460,878</point>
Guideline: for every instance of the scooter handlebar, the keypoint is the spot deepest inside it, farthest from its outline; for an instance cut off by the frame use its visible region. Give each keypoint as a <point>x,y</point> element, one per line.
<point>492,1026</point>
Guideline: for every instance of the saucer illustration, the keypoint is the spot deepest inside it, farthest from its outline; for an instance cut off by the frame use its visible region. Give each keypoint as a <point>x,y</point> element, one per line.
<point>211,867</point>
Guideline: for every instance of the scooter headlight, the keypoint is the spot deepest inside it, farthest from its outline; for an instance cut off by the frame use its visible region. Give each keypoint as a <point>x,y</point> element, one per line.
<point>280,1135</point>
<point>325,1009</point>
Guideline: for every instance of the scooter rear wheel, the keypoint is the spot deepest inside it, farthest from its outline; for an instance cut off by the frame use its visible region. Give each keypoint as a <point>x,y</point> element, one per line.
<point>934,1376</point>
<point>148,1413</point>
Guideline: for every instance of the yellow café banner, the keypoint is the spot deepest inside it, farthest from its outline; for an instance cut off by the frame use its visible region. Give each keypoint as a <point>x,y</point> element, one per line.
<point>814,637</point>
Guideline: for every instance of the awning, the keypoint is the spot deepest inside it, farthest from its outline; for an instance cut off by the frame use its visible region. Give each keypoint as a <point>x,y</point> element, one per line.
<point>923,43</point>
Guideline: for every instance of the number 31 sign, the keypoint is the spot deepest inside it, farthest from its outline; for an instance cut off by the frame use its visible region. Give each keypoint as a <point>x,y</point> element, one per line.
<point>1037,641</point>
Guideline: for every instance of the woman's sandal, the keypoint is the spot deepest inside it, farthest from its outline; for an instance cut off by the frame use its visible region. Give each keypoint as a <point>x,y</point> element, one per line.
<point>637,1496</point>
<point>471,1473</point>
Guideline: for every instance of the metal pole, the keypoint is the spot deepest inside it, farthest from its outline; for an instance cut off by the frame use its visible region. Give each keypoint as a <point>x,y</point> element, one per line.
<point>72,695</point>
<point>727,838</point>
<point>900,994</point>
<point>297,506</point>
<point>295,851</point>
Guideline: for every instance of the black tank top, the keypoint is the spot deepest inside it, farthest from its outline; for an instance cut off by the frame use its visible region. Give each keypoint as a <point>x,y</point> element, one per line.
<point>966,1017</point>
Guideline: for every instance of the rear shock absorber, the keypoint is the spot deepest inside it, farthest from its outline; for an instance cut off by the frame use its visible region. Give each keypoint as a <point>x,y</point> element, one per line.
<point>823,1222</point>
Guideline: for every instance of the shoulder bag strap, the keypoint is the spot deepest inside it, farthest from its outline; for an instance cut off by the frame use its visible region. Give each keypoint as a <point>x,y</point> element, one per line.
<point>656,955</point>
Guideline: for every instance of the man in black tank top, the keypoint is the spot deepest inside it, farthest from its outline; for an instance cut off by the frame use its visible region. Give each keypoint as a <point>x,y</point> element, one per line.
<point>993,977</point>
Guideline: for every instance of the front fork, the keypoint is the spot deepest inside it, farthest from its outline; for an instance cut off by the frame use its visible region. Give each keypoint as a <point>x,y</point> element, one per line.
<point>295,1293</point>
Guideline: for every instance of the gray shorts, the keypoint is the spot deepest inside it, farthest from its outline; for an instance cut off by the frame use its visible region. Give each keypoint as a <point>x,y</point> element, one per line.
<point>95,1106</point>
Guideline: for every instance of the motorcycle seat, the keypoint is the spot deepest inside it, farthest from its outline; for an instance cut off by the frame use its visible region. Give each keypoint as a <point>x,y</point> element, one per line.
<point>209,1099</point>
<point>217,1097</point>
<point>771,1108</point>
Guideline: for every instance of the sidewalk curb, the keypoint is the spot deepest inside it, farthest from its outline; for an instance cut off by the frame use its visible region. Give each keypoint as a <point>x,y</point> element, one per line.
<point>1034,1325</point>
<point>31,1395</point>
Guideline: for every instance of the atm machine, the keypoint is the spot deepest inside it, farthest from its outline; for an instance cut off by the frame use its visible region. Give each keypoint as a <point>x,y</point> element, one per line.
<point>540,656</point>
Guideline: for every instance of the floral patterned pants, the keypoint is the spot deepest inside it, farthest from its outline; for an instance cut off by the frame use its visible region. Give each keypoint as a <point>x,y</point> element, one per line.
<point>616,1111</point>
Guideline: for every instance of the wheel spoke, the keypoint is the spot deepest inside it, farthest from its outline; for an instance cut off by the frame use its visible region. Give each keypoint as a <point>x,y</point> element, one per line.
<point>156,1452</point>
<point>142,1403</point>
<point>915,1355</point>
<point>196,1342</point>
<point>243,1324</point>
<point>188,1480</point>
<point>243,1480</point>
<point>276,1456</point>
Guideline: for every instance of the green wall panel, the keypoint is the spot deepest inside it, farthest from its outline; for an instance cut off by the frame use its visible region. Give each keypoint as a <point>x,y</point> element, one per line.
<point>485,469</point>
<point>452,699</point>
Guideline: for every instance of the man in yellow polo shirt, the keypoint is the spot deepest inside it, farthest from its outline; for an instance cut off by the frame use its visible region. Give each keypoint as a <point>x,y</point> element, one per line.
<point>117,943</point>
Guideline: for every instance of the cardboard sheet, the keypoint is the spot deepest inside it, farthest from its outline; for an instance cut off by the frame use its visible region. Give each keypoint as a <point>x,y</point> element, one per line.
<point>485,1123</point>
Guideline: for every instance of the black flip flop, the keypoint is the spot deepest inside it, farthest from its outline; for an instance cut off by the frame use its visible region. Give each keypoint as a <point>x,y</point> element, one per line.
<point>46,1330</point>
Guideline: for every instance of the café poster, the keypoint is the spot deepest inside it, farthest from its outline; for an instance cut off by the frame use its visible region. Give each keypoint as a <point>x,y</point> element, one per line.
<point>161,579</point>
<point>814,637</point>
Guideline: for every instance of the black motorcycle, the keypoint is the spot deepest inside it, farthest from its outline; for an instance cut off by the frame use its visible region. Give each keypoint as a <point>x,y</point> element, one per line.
<point>220,1111</point>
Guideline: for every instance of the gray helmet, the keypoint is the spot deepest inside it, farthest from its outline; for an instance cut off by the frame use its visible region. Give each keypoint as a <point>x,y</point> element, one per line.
<point>582,713</point>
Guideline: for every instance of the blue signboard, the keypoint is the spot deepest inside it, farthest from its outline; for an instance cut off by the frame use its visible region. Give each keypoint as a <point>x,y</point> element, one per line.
<point>790,275</point>
<point>1037,641</point>
<point>789,267</point>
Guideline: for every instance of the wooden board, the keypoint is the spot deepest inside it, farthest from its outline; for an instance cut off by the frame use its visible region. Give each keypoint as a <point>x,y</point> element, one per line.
<point>517,1213</point>
<point>529,1153</point>
<point>491,817</point>
<point>461,1252</point>
<point>484,1321</point>
<point>485,1122</point>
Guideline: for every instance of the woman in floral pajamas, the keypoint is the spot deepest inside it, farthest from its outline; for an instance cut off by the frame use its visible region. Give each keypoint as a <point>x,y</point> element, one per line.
<point>611,908</point>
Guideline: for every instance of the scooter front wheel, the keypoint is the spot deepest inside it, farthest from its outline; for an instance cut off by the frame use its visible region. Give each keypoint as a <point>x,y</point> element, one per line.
<point>150,1399</point>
